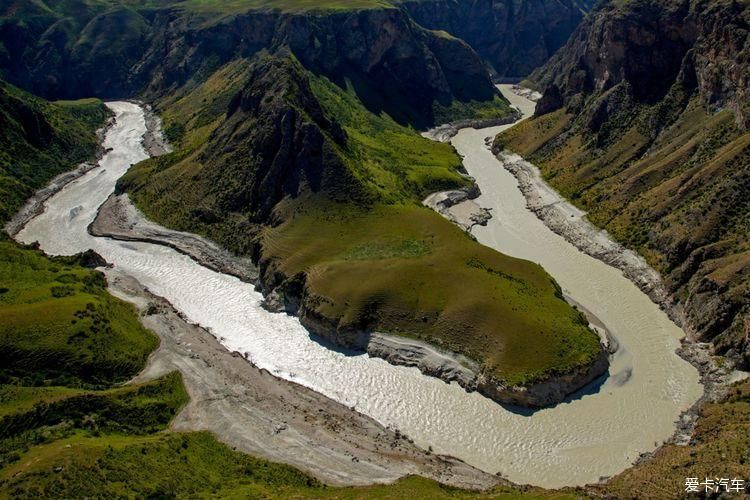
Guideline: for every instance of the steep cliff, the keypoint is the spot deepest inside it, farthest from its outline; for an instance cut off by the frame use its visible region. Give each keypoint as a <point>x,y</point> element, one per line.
<point>114,49</point>
<point>514,37</point>
<point>644,124</point>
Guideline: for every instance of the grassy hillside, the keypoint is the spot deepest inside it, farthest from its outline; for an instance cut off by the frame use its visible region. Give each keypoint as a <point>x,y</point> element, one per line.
<point>177,465</point>
<point>65,344</point>
<point>349,237</point>
<point>59,326</point>
<point>39,140</point>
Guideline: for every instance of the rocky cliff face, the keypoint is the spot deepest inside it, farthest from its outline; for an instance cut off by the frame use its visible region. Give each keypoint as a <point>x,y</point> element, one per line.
<point>115,49</point>
<point>702,44</point>
<point>398,66</point>
<point>514,37</point>
<point>276,141</point>
<point>643,43</point>
<point>644,123</point>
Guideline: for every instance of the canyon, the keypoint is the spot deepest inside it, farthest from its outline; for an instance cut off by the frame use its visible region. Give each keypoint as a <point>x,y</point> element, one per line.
<point>281,233</point>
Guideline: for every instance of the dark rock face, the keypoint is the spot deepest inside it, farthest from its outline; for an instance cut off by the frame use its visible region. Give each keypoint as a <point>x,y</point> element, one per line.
<point>91,259</point>
<point>552,100</point>
<point>397,65</point>
<point>514,37</point>
<point>722,58</point>
<point>276,141</point>
<point>87,49</point>
<point>652,45</point>
<point>71,57</point>
<point>618,45</point>
<point>656,97</point>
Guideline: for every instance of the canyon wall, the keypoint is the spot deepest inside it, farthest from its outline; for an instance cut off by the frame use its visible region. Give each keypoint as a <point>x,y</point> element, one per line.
<point>644,124</point>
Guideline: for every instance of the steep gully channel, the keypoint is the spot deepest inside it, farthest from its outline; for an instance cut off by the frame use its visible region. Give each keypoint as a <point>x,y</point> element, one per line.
<point>593,434</point>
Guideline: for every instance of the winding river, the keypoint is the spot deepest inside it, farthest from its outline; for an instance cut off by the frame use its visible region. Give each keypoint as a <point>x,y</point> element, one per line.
<point>579,441</point>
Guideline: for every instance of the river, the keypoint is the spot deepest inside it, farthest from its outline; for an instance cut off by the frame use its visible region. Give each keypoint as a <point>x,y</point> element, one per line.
<point>575,442</point>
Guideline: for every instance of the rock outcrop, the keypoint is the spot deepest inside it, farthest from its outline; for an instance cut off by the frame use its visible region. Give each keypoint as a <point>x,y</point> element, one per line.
<point>700,44</point>
<point>451,367</point>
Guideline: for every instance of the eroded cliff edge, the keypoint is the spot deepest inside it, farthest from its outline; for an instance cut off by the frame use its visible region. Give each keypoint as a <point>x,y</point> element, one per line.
<point>515,38</point>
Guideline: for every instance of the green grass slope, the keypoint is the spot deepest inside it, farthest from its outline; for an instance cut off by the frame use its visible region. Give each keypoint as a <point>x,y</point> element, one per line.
<point>348,237</point>
<point>195,465</point>
<point>60,326</point>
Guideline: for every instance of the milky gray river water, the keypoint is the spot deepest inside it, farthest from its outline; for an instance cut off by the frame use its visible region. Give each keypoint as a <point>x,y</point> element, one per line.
<point>573,443</point>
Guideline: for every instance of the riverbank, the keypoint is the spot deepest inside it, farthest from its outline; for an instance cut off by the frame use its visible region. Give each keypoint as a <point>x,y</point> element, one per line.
<point>35,204</point>
<point>459,207</point>
<point>154,141</point>
<point>255,412</point>
<point>445,132</point>
<point>566,220</point>
<point>119,219</point>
